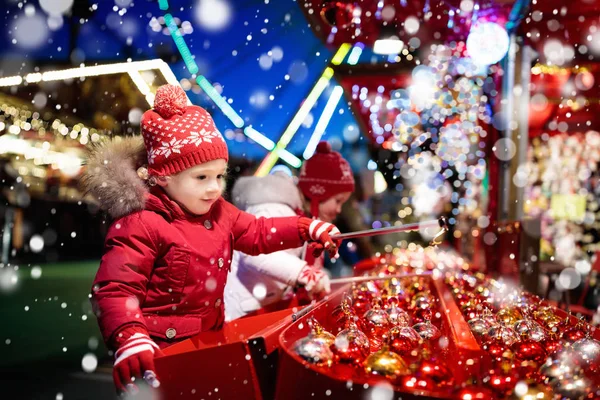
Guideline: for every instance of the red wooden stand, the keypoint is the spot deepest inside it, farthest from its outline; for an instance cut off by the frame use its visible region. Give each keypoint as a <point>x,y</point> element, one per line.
<point>238,362</point>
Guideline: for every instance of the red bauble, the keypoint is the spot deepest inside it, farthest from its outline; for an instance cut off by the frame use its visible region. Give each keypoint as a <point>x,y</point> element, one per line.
<point>501,382</point>
<point>497,350</point>
<point>422,315</point>
<point>361,305</point>
<point>529,370</point>
<point>553,346</point>
<point>351,345</point>
<point>412,383</point>
<point>402,340</point>
<point>574,334</point>
<point>529,350</point>
<point>436,371</point>
<point>474,393</point>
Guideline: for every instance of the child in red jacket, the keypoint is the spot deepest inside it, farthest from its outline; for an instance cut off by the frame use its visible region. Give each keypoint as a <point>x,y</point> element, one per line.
<point>168,252</point>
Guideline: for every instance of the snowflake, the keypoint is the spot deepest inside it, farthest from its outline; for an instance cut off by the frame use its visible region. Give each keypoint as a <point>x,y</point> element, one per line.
<point>152,155</point>
<point>346,171</point>
<point>317,189</point>
<point>171,147</point>
<point>203,136</point>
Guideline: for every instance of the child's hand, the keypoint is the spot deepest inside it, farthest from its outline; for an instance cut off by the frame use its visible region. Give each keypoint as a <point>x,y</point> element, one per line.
<point>318,233</point>
<point>135,360</point>
<point>314,280</point>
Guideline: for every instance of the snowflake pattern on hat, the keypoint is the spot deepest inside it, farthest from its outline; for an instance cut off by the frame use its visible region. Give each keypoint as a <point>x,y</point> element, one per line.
<point>174,146</point>
<point>317,189</point>
<point>178,136</point>
<point>203,136</point>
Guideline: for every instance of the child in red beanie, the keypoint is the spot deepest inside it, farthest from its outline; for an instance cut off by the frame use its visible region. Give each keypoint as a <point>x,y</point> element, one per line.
<point>168,252</point>
<point>268,282</point>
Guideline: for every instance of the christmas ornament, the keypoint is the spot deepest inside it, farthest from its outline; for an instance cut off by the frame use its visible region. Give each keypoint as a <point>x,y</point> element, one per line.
<point>319,332</point>
<point>529,329</point>
<point>534,392</point>
<point>528,369</point>
<point>572,387</point>
<point>499,351</point>
<point>587,351</point>
<point>509,316</point>
<point>422,315</point>
<point>386,363</point>
<point>436,371</point>
<point>376,319</point>
<point>552,344</point>
<point>411,383</point>
<point>314,350</point>
<point>422,300</point>
<point>503,334</point>
<point>351,344</point>
<point>474,393</point>
<point>427,330</point>
<point>501,380</point>
<point>479,326</point>
<point>402,339</point>
<point>555,369</point>
<point>574,333</point>
<point>529,350</point>
<point>544,313</point>
<point>551,322</point>
<point>396,315</point>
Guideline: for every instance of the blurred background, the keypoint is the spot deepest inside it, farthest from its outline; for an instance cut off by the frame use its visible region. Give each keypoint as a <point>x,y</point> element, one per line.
<point>482,111</point>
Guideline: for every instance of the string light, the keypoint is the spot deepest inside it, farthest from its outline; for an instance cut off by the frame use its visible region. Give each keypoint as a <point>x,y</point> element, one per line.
<point>96,70</point>
<point>554,69</point>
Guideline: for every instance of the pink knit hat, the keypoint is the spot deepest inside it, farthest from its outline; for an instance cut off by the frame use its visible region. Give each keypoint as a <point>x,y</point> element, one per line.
<point>324,175</point>
<point>178,136</point>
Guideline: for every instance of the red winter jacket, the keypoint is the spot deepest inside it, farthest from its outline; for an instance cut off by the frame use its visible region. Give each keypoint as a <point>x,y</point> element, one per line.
<point>164,269</point>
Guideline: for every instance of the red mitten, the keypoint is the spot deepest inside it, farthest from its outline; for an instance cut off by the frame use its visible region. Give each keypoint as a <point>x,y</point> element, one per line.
<point>135,359</point>
<point>318,233</point>
<point>314,280</point>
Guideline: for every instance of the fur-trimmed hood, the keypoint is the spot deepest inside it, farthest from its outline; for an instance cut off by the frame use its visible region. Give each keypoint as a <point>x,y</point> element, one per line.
<point>276,188</point>
<point>111,175</point>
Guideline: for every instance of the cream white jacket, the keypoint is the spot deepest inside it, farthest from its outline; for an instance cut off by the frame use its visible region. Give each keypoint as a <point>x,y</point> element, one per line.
<point>257,281</point>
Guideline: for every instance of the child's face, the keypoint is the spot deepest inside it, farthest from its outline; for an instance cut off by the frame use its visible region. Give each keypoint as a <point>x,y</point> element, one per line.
<point>332,207</point>
<point>196,189</point>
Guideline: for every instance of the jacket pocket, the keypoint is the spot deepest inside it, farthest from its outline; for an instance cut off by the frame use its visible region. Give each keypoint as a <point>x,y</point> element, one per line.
<point>173,327</point>
<point>178,269</point>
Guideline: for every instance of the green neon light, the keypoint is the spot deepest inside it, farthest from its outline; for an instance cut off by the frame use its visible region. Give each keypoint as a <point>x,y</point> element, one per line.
<point>220,101</point>
<point>259,138</point>
<point>163,4</point>
<point>289,158</point>
<point>181,45</point>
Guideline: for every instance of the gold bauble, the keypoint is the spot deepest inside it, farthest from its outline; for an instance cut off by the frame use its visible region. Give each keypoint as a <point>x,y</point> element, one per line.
<point>386,363</point>
<point>534,392</point>
<point>509,316</point>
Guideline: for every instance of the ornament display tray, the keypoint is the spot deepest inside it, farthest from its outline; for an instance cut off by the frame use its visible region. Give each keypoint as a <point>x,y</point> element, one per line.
<point>237,362</point>
<point>299,380</point>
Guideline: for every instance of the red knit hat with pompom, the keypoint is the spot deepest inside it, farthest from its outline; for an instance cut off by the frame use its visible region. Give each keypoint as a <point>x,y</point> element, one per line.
<point>178,136</point>
<point>324,175</point>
